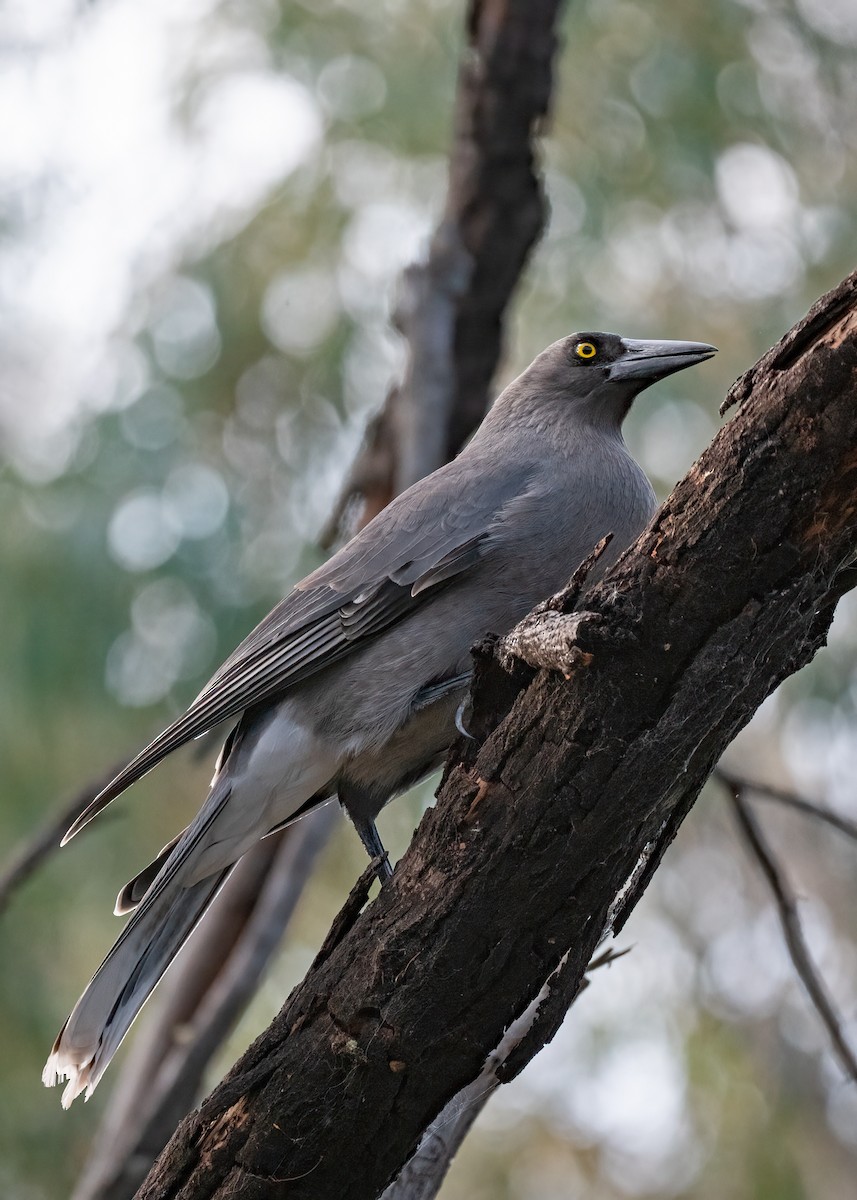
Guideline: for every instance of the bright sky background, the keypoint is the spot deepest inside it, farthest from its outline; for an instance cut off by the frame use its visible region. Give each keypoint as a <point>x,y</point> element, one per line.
<point>104,184</point>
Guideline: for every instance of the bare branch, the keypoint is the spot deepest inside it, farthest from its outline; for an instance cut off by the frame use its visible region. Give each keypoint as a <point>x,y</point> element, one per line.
<point>765,791</point>
<point>30,856</point>
<point>26,860</point>
<point>792,930</point>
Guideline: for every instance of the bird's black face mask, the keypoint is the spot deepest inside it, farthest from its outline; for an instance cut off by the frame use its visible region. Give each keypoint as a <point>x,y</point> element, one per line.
<point>619,359</point>
<point>608,371</point>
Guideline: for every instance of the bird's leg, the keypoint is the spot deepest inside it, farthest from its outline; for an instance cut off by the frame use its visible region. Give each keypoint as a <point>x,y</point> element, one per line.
<point>370,838</point>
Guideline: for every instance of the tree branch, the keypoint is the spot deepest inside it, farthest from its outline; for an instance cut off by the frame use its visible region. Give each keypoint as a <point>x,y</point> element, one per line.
<point>422,1176</point>
<point>546,833</point>
<point>27,859</point>
<point>451,307</point>
<point>788,799</point>
<point>784,898</point>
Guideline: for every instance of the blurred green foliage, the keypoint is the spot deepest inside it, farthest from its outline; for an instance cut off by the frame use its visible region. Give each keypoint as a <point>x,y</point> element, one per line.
<point>701,171</point>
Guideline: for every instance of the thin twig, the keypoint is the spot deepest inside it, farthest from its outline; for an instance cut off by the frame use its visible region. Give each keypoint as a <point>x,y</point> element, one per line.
<point>793,930</point>
<point>30,856</point>
<point>789,799</point>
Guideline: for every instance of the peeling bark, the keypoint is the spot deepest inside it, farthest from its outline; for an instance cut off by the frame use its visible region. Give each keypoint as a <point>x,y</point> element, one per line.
<point>574,789</point>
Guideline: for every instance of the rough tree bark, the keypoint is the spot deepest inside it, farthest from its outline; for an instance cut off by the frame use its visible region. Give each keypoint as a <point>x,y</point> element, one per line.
<point>548,829</point>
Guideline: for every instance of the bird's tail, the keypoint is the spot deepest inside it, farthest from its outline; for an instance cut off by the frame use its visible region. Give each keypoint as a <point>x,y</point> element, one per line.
<point>164,920</point>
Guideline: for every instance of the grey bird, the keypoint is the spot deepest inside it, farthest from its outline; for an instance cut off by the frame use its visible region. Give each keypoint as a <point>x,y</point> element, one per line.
<point>350,687</point>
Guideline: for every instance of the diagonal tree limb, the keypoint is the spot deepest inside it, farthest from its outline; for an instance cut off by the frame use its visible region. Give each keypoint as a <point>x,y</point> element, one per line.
<point>544,834</point>
<point>786,904</point>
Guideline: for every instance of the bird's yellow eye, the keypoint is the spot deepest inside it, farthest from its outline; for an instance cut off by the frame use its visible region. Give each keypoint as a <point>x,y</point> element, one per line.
<point>585,350</point>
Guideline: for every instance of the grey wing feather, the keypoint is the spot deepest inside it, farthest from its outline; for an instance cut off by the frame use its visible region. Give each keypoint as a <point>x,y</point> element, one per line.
<point>462,558</point>
<point>436,530</point>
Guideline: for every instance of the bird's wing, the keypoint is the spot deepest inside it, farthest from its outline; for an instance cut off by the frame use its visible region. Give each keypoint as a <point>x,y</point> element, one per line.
<point>435,531</point>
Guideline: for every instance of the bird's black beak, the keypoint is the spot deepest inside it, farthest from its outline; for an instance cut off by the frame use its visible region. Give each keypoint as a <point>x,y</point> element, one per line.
<point>648,361</point>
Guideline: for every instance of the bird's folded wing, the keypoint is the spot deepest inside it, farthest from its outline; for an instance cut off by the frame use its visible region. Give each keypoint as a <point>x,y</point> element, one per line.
<point>384,573</point>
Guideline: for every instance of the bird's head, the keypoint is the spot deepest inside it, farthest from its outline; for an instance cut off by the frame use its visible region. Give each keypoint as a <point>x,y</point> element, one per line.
<point>599,374</point>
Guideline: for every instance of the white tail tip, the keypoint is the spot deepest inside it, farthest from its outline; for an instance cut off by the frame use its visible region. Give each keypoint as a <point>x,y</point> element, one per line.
<point>79,1078</point>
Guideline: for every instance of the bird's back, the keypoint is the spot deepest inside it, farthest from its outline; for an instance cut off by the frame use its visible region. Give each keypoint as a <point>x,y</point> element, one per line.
<point>550,516</point>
